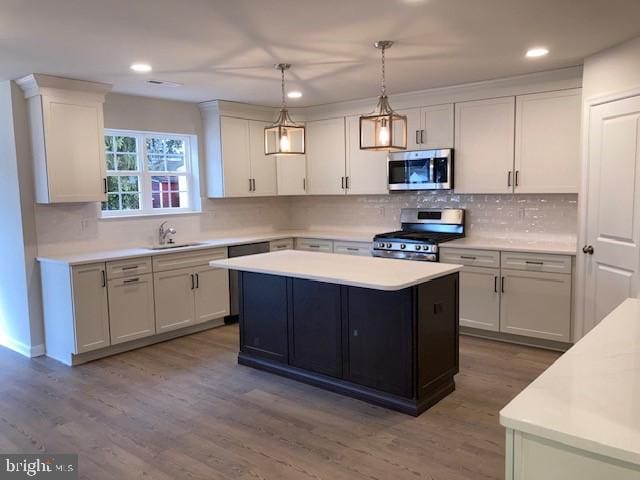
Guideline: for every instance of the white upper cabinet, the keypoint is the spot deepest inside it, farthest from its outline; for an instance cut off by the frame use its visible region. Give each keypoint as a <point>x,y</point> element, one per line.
<point>67,137</point>
<point>234,135</point>
<point>484,146</point>
<point>429,127</point>
<point>263,167</point>
<point>247,170</point>
<point>292,174</point>
<point>437,127</point>
<point>366,170</point>
<point>548,142</point>
<point>414,127</point>
<point>326,157</point>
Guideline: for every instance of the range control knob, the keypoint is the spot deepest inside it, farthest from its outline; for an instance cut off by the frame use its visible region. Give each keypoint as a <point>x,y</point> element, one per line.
<point>388,245</point>
<point>418,247</point>
<point>402,246</point>
<point>381,245</point>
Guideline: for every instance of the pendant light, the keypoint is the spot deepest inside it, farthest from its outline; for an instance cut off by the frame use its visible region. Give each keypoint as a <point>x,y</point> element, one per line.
<point>284,137</point>
<point>383,129</point>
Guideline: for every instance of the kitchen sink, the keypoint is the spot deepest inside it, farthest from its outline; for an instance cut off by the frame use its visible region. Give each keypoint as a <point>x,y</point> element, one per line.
<point>170,246</point>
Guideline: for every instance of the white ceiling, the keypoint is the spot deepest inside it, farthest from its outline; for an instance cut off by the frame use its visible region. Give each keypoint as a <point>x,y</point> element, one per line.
<point>225,49</point>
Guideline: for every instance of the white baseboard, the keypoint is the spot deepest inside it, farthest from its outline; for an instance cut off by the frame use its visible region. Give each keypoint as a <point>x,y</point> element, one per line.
<point>22,348</point>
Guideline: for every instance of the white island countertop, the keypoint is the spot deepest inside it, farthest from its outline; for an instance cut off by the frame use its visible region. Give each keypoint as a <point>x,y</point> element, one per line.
<point>590,397</point>
<point>355,271</point>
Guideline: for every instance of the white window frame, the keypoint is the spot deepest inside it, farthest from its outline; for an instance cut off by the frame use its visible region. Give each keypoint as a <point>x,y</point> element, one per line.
<point>145,175</point>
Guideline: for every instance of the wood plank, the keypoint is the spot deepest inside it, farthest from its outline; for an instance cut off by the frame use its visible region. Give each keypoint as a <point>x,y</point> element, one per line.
<point>185,409</point>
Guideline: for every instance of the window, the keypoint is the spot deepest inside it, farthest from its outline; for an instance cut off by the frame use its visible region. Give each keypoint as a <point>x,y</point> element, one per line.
<point>147,173</point>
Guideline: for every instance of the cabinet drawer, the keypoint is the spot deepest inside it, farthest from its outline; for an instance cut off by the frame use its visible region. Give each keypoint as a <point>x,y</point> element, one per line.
<point>535,262</point>
<point>352,248</point>
<point>284,244</point>
<point>471,258</point>
<point>131,266</point>
<point>314,245</point>
<point>174,261</point>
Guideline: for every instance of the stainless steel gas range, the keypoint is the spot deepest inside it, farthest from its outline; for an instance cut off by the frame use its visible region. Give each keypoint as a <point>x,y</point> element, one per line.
<point>422,231</point>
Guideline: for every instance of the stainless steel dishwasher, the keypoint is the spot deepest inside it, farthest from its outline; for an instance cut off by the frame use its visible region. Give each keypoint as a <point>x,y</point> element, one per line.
<point>234,298</point>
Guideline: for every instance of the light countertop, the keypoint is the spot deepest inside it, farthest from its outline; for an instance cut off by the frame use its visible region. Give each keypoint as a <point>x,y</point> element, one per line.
<point>590,397</point>
<point>215,242</point>
<point>235,238</point>
<point>355,271</point>
<point>514,245</point>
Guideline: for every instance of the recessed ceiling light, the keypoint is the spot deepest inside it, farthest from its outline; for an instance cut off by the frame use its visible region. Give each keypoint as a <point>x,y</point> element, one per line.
<point>140,67</point>
<point>294,94</point>
<point>537,52</point>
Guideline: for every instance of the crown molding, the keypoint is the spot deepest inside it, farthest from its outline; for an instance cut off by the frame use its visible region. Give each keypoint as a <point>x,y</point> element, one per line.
<point>40,84</point>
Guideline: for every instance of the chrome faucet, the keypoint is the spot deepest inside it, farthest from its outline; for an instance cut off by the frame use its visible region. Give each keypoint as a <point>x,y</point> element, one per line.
<point>162,234</point>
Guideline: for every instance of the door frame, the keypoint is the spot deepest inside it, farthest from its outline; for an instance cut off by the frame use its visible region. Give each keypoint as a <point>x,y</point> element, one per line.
<point>583,214</point>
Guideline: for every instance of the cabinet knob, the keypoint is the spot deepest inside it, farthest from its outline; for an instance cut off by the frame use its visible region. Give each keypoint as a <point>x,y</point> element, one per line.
<point>587,249</point>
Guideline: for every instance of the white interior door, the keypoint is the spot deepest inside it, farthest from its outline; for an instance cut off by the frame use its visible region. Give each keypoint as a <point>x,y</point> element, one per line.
<point>326,157</point>
<point>613,208</point>
<point>234,134</point>
<point>366,169</point>
<point>263,167</point>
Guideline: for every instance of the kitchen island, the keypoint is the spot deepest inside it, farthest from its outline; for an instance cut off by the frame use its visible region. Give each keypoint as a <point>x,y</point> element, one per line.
<point>380,330</point>
<point>580,419</point>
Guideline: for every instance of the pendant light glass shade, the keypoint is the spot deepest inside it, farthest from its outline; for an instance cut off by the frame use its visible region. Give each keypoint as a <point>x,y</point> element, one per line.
<point>383,129</point>
<point>284,137</point>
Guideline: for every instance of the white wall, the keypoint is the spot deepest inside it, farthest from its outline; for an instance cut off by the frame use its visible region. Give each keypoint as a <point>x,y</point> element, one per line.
<point>79,228</point>
<point>616,69</point>
<point>20,307</point>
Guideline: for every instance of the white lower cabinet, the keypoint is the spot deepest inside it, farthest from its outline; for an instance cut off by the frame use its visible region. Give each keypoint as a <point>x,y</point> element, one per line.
<point>90,307</point>
<point>282,244</point>
<point>188,291</point>
<point>353,248</point>
<point>211,294</point>
<point>536,304</point>
<point>525,294</point>
<point>480,298</point>
<point>131,308</point>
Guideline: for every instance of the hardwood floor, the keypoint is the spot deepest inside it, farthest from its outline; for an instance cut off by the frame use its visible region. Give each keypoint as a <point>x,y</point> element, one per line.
<point>185,409</point>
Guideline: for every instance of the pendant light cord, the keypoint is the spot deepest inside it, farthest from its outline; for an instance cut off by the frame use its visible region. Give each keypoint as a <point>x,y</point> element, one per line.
<point>383,85</point>
<point>284,101</point>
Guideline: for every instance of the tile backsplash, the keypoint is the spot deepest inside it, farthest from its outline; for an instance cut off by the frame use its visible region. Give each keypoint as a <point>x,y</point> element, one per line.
<point>498,216</point>
<point>77,228</point>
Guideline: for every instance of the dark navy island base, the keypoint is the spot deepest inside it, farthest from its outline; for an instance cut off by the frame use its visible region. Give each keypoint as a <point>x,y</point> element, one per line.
<point>397,349</point>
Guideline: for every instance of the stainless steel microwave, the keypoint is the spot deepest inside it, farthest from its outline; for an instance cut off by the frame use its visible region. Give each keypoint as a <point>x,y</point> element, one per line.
<point>421,170</point>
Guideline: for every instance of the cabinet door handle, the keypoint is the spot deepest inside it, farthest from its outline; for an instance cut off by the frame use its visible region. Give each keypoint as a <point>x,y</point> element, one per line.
<point>104,184</point>
<point>509,178</point>
<point>193,281</point>
<point>342,182</point>
<point>254,185</point>
<point>502,286</point>
<point>422,136</point>
<point>104,278</point>
<point>517,175</point>
<point>467,257</point>
<point>250,186</point>
<point>417,137</point>
<point>495,284</point>
<point>304,184</point>
<point>348,182</point>
<point>130,267</point>
<point>197,280</point>
<point>131,280</point>
<point>531,262</point>
<point>353,249</point>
